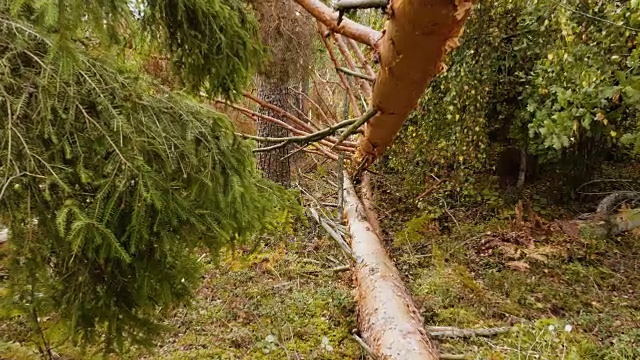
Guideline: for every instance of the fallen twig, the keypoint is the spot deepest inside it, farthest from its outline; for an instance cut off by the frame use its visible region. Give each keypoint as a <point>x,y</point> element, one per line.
<point>452,332</point>
<point>364,346</point>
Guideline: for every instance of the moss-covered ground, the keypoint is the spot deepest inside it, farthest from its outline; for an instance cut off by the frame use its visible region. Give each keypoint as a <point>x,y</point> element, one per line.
<point>564,298</point>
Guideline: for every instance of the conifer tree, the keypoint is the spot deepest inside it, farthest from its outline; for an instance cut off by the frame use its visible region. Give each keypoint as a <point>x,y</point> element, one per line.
<point>108,181</point>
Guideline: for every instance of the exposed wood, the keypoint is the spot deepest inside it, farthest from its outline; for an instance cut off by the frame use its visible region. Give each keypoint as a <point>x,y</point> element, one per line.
<point>416,39</point>
<point>360,4</point>
<point>348,28</point>
<point>388,320</point>
<point>368,202</point>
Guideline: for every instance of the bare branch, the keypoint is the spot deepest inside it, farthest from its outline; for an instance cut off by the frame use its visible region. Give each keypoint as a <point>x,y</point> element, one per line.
<point>280,111</point>
<point>343,79</point>
<point>360,4</point>
<point>348,28</point>
<point>329,141</point>
<point>363,61</point>
<point>313,137</point>
<point>356,74</point>
<point>364,86</point>
<point>363,119</point>
<point>324,116</point>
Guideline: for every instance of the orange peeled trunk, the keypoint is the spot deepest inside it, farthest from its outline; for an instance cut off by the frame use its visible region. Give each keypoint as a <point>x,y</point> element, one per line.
<point>417,36</point>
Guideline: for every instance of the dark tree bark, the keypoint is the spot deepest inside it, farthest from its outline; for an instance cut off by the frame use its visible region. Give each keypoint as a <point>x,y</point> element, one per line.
<point>275,165</point>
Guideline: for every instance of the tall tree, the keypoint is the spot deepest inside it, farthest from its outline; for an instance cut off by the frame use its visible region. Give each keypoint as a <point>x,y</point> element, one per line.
<point>286,32</point>
<point>109,182</point>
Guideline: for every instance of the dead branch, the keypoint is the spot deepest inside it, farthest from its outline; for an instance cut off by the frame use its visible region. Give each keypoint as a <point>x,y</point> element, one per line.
<point>343,79</point>
<point>359,4</point>
<point>357,74</point>
<point>363,61</point>
<point>278,110</point>
<point>335,235</point>
<point>452,332</point>
<point>348,28</point>
<point>346,55</point>
<point>324,116</point>
<point>313,137</point>
<point>329,141</point>
<point>611,202</point>
<point>351,129</point>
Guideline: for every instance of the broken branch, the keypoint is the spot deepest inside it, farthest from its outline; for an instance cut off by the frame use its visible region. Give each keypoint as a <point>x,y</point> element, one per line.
<point>359,122</point>
<point>356,74</point>
<point>348,28</point>
<point>359,4</point>
<point>452,332</point>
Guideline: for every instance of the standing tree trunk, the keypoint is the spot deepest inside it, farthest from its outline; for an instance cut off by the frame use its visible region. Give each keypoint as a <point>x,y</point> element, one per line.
<point>275,165</point>
<point>287,35</point>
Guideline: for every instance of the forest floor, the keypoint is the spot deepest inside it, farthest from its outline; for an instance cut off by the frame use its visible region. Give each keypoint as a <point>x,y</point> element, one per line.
<point>563,298</point>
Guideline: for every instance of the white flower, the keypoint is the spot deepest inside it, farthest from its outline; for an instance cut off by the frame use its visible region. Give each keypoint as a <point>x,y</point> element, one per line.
<point>551,328</point>
<point>568,328</point>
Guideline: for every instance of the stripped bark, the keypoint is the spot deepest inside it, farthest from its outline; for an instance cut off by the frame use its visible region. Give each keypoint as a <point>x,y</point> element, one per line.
<point>388,319</point>
<point>417,36</point>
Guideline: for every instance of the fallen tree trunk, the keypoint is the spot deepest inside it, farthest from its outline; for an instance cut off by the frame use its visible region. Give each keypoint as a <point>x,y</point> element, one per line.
<point>388,320</point>
<point>417,36</point>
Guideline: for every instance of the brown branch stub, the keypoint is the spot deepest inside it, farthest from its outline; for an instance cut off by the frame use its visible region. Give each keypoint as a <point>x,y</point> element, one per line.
<point>360,4</point>
<point>348,28</point>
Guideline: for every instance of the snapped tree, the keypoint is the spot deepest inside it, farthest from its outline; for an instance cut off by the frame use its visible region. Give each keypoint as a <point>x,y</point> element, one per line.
<point>109,182</point>
<point>409,51</point>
